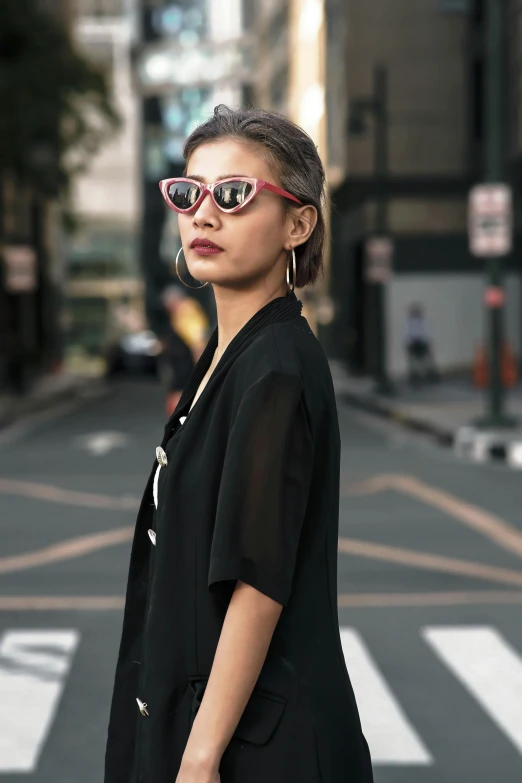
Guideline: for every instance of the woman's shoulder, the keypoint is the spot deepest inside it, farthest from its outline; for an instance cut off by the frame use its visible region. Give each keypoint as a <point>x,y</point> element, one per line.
<point>285,348</point>
<point>285,358</point>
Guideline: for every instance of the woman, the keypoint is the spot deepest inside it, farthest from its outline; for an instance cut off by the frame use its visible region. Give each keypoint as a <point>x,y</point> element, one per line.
<point>231,668</point>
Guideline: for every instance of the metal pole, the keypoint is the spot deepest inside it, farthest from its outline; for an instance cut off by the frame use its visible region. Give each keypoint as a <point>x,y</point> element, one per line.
<point>380,100</point>
<point>380,92</point>
<point>494,173</point>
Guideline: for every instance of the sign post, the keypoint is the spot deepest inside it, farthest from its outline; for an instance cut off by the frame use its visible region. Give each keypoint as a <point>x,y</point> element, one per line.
<point>490,210</point>
<point>490,227</point>
<point>19,269</point>
<point>378,271</point>
<point>379,259</point>
<point>490,220</point>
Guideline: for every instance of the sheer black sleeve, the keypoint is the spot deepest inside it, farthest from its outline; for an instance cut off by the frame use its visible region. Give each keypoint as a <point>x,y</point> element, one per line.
<point>264,488</point>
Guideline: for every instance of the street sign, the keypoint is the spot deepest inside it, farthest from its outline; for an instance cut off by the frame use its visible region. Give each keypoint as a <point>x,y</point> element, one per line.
<point>490,220</point>
<point>19,268</point>
<point>379,259</point>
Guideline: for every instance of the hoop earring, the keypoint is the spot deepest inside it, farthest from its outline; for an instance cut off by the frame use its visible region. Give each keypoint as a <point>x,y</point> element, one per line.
<point>291,287</point>
<point>178,274</point>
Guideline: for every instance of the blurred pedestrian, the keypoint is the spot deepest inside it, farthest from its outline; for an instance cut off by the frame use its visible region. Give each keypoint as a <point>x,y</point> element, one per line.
<point>177,366</point>
<point>230,646</point>
<point>187,318</point>
<point>419,348</point>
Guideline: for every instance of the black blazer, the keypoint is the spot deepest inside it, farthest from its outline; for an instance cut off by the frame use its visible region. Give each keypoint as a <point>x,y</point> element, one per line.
<point>250,491</point>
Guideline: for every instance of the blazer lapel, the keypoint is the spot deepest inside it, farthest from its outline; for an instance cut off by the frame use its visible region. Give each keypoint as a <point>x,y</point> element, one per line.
<point>284,308</point>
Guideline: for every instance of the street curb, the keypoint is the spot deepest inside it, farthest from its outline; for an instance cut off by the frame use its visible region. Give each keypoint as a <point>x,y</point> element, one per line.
<point>379,407</point>
<point>496,446</point>
<point>84,389</point>
<point>467,442</point>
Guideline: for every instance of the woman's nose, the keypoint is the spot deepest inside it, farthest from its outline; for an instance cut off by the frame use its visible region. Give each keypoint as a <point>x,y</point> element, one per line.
<point>206,213</point>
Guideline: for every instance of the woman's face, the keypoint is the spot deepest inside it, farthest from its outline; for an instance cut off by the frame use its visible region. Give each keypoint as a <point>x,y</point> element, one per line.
<point>254,241</point>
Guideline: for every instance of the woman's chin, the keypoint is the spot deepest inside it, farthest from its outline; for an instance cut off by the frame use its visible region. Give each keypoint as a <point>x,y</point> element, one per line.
<point>207,270</point>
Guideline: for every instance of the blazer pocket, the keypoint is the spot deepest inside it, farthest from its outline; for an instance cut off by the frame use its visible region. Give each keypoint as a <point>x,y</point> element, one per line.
<point>260,716</point>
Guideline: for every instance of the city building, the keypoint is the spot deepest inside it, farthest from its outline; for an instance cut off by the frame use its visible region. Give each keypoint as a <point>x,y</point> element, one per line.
<point>102,251</point>
<point>300,72</point>
<point>414,147</point>
<point>31,259</point>
<point>191,56</point>
<point>271,81</point>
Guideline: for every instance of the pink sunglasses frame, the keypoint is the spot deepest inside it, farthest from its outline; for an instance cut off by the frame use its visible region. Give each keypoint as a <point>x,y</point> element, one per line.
<point>257,185</point>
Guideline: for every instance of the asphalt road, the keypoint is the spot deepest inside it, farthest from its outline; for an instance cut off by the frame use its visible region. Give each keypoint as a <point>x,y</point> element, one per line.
<point>430,593</point>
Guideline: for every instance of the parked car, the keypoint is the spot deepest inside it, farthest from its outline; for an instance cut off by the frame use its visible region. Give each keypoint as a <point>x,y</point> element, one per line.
<point>137,354</point>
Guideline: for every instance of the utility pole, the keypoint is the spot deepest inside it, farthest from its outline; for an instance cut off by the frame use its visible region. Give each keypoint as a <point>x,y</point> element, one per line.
<point>494,174</point>
<point>379,248</point>
<point>380,111</point>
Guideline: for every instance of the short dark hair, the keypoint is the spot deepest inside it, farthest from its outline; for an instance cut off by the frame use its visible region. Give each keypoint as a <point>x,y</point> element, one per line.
<point>292,155</point>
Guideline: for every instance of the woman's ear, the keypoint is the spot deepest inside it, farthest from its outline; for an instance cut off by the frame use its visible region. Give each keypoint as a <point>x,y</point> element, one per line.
<point>302,221</point>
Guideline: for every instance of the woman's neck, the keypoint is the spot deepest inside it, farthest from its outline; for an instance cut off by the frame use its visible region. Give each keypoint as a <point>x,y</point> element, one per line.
<point>235,308</point>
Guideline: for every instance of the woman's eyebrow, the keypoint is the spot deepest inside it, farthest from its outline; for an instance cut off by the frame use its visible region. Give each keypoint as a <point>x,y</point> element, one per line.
<point>199,178</point>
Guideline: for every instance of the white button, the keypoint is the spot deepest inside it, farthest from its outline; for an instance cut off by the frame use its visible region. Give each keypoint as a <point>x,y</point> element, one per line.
<point>161,456</point>
<point>155,486</point>
<point>143,707</point>
<point>152,536</point>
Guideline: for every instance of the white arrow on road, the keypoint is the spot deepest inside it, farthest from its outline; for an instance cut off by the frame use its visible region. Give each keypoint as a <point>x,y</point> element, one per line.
<point>101,443</point>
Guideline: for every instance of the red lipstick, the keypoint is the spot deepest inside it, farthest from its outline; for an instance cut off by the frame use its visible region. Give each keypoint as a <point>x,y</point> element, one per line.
<point>205,247</point>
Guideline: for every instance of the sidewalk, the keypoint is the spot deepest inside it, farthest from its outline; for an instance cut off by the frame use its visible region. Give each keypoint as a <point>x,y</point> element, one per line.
<point>49,392</point>
<point>445,410</point>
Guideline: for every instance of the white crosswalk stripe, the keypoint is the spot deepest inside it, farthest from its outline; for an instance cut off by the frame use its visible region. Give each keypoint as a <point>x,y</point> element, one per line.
<point>34,665</point>
<point>33,668</point>
<point>390,736</point>
<point>489,668</point>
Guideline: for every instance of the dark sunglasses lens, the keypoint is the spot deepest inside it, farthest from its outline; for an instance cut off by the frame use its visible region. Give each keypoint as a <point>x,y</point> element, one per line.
<point>232,193</point>
<point>183,194</point>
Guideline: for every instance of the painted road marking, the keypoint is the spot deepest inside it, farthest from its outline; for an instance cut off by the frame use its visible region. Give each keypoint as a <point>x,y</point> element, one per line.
<point>33,667</point>
<point>488,667</point>
<point>51,494</point>
<point>32,421</point>
<point>484,522</point>
<point>60,603</point>
<point>428,561</point>
<point>66,550</point>
<point>89,603</point>
<point>438,598</point>
<point>389,733</point>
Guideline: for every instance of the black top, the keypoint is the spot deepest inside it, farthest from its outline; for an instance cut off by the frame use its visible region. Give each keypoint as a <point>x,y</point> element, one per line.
<point>251,492</point>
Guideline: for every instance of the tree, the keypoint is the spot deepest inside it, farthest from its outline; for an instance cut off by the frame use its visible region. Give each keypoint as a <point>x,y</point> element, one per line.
<point>56,106</point>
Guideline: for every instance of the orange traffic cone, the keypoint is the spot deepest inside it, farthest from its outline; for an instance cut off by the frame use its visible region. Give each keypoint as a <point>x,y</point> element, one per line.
<point>509,367</point>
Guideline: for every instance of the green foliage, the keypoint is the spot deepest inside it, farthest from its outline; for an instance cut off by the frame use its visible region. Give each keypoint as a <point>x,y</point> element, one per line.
<point>55,106</point>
